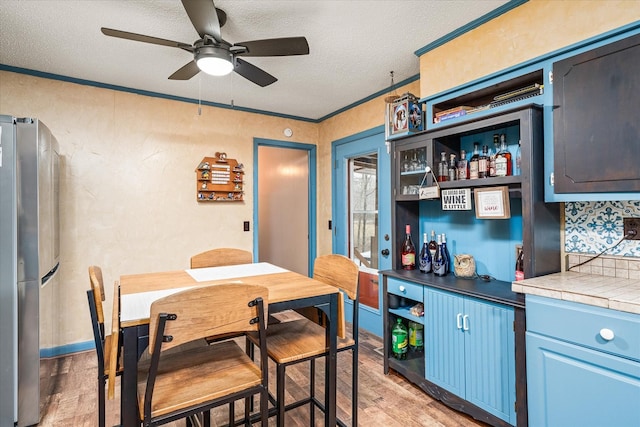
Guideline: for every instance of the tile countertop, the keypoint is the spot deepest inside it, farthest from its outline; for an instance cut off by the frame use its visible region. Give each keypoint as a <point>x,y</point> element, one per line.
<point>601,291</point>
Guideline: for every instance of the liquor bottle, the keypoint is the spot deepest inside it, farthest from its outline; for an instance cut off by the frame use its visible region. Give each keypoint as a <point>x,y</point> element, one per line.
<point>453,168</point>
<point>463,166</point>
<point>425,256</point>
<point>408,251</point>
<point>414,162</point>
<point>483,163</point>
<point>473,163</point>
<point>443,168</point>
<point>518,162</point>
<point>416,336</point>
<point>439,268</point>
<point>446,254</point>
<point>405,163</point>
<point>520,266</point>
<point>399,340</point>
<point>503,159</point>
<point>492,155</point>
<point>433,247</point>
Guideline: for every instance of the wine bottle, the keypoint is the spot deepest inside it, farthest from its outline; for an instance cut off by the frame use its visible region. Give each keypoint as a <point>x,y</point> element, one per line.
<point>408,251</point>
<point>473,162</point>
<point>433,246</point>
<point>446,254</point>
<point>425,256</point>
<point>439,268</point>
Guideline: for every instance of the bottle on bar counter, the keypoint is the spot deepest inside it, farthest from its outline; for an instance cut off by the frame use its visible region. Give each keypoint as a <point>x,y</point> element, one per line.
<point>520,266</point>
<point>503,159</point>
<point>433,247</point>
<point>446,255</point>
<point>473,163</point>
<point>463,166</point>
<point>439,263</point>
<point>425,256</point>
<point>408,251</point>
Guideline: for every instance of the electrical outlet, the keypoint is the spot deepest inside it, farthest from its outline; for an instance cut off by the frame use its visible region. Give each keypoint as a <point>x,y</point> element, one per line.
<point>245,225</point>
<point>631,228</point>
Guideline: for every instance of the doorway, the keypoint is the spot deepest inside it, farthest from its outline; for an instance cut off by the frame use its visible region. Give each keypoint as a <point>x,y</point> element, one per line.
<point>361,215</point>
<point>284,200</point>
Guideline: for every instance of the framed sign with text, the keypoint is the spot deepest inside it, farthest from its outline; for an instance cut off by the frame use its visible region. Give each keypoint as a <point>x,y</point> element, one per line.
<point>492,203</point>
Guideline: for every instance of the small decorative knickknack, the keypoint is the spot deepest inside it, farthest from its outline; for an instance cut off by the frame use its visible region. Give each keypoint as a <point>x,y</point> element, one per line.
<point>404,116</point>
<point>219,179</point>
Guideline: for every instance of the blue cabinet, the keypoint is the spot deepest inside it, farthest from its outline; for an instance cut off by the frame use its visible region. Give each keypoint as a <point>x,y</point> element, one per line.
<point>583,365</point>
<point>470,350</point>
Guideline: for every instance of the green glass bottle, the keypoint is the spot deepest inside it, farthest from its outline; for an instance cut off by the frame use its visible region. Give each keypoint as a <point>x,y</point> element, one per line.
<point>399,340</point>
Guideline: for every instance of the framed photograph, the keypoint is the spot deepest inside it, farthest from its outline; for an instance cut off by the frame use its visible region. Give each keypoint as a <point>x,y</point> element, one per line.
<point>492,203</point>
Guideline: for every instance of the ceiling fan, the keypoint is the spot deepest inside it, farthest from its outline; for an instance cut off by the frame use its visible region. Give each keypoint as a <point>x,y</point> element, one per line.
<point>216,56</point>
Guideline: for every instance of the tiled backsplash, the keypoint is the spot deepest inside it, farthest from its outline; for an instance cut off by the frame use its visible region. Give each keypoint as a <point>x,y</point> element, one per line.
<point>591,227</point>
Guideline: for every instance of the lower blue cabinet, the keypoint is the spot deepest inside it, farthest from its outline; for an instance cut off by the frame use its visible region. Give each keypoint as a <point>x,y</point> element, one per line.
<point>583,365</point>
<point>470,350</point>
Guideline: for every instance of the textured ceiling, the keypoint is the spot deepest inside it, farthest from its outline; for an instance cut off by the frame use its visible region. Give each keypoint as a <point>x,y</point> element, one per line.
<point>353,46</point>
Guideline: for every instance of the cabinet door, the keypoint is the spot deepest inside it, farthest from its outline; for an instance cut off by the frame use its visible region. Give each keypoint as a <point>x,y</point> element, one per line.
<point>595,130</point>
<point>490,358</point>
<point>570,385</point>
<point>444,340</point>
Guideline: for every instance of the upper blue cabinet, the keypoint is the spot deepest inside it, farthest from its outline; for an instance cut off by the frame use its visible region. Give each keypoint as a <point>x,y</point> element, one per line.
<point>589,94</point>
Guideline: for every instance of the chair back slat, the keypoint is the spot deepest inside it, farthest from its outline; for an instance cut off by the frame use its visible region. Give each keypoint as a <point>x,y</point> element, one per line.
<point>221,256</point>
<point>339,271</point>
<point>206,312</point>
<point>97,285</point>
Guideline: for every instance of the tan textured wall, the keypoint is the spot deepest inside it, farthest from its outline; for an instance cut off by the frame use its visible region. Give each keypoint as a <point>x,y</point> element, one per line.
<point>128,186</point>
<point>528,31</point>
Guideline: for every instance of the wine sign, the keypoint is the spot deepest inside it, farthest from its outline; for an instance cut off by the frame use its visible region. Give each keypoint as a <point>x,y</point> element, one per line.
<point>456,200</point>
<point>492,203</point>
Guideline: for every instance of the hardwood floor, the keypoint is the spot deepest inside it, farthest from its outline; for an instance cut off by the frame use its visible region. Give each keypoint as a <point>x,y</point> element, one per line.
<point>69,394</point>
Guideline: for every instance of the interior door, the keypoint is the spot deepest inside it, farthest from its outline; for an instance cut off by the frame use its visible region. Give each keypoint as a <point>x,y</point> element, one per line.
<point>361,215</point>
<point>284,205</point>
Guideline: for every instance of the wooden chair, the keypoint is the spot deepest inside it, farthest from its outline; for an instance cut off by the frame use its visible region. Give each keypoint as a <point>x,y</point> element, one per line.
<point>107,346</point>
<point>178,384</point>
<point>221,256</point>
<point>305,339</point>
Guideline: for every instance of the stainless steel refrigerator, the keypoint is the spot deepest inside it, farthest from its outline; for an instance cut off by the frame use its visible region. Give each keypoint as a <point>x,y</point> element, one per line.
<point>29,260</point>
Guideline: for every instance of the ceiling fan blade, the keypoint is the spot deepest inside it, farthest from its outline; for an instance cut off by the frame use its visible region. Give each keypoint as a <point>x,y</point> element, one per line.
<point>186,72</point>
<point>253,73</point>
<point>204,17</point>
<point>146,39</point>
<point>275,47</point>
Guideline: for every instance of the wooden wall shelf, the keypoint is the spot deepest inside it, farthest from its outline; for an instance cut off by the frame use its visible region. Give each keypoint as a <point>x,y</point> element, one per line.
<point>219,179</point>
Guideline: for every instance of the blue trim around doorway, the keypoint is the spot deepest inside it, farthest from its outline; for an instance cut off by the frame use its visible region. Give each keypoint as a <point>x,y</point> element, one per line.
<point>312,192</point>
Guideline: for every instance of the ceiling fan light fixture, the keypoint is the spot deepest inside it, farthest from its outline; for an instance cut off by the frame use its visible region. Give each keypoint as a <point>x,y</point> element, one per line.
<point>214,61</point>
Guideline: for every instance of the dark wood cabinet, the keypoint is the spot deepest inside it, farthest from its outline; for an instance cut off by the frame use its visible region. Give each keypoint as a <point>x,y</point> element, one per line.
<point>596,119</point>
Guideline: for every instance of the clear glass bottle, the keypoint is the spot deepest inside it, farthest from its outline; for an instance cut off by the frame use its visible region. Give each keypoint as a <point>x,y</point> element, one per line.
<point>483,163</point>
<point>463,166</point>
<point>416,336</point>
<point>408,251</point>
<point>414,161</point>
<point>453,168</point>
<point>443,168</point>
<point>406,164</point>
<point>473,163</point>
<point>425,256</point>
<point>492,155</point>
<point>503,159</point>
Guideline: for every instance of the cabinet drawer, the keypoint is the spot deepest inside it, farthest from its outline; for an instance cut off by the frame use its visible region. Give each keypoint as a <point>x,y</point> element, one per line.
<point>585,325</point>
<point>405,289</point>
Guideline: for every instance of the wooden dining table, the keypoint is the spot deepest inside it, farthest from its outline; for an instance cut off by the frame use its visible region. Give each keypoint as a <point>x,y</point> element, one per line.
<point>287,290</point>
